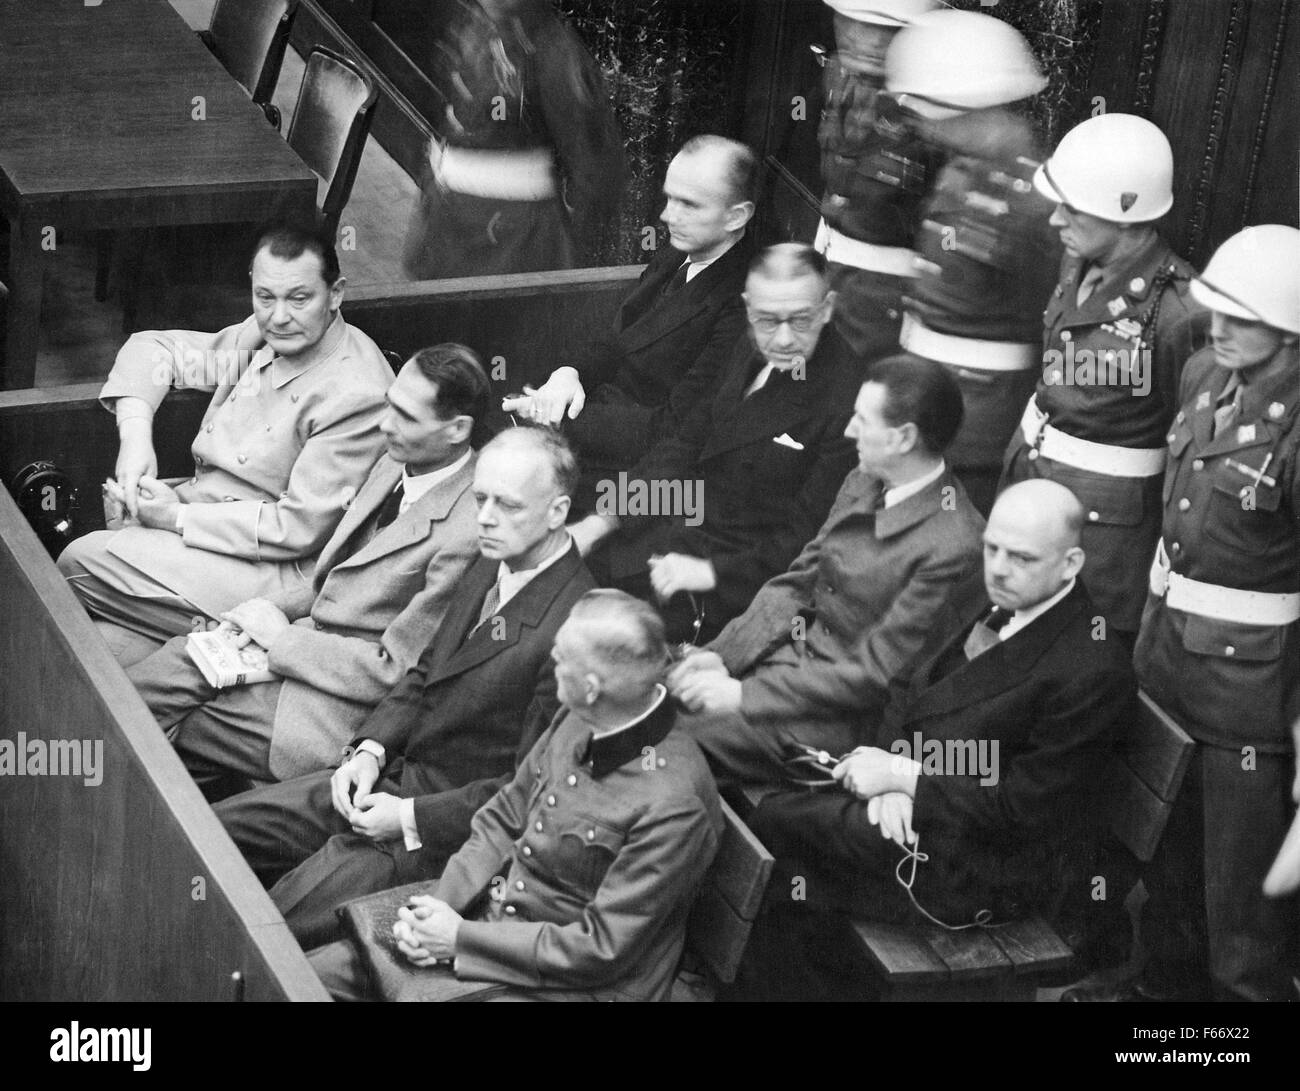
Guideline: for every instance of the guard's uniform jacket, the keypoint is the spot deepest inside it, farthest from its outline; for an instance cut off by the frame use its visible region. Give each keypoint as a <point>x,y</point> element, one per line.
<point>590,858</point>
<point>1102,406</point>
<point>533,162</point>
<point>986,263</point>
<point>876,171</point>
<point>1220,655</point>
<point>1231,516</point>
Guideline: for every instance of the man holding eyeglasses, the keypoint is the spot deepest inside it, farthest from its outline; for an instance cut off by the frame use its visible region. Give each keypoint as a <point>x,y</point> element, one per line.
<point>762,459</point>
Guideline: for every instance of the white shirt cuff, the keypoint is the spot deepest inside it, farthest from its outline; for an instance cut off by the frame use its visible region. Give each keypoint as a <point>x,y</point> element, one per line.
<point>372,747</point>
<point>410,834</point>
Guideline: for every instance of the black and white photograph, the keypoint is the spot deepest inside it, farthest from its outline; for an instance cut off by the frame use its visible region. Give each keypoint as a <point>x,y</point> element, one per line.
<point>729,501</point>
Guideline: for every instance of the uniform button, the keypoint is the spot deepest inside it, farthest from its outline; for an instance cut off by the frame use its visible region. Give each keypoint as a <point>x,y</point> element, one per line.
<point>511,910</point>
<point>893,314</point>
<point>550,801</point>
<point>1176,547</point>
<point>1066,335</point>
<point>538,826</point>
<point>1198,464</point>
<point>1170,438</point>
<point>241,459</point>
<point>208,428</point>
<point>662,762</point>
<point>293,398</point>
<point>572,779</point>
<point>528,850</point>
<point>1137,284</point>
<point>1229,650</point>
<point>591,835</point>
<point>519,884</point>
<point>1184,504</point>
<point>1093,516</point>
<point>1033,454</point>
<point>1181,416</point>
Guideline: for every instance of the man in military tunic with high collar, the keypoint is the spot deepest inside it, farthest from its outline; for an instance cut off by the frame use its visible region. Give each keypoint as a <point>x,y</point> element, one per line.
<point>527,168</point>
<point>1117,329</point>
<point>1219,647</point>
<point>986,255</point>
<point>875,170</point>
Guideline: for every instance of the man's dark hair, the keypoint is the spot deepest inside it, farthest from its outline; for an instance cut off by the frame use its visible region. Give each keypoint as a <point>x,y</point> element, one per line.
<point>462,382</point>
<point>920,392</point>
<point>552,446</point>
<point>787,261</point>
<point>742,164</point>
<point>288,241</point>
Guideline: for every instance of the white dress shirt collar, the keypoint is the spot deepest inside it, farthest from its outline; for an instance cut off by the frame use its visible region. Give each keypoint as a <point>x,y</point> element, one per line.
<point>899,493</point>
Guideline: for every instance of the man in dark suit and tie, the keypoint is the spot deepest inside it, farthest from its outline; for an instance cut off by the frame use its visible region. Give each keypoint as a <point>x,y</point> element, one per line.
<point>986,768</point>
<point>381,587</point>
<point>756,465</point>
<point>454,728</point>
<point>662,355</point>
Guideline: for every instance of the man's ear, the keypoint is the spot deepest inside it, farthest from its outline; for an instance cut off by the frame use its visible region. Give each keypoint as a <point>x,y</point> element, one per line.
<point>461,429</point>
<point>591,688</point>
<point>1074,558</point>
<point>829,302</point>
<point>908,437</point>
<point>738,215</point>
<point>336,293</point>
<point>558,514</point>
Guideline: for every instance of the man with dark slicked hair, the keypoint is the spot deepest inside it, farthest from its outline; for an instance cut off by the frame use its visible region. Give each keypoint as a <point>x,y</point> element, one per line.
<point>810,661</point>
<point>382,586</point>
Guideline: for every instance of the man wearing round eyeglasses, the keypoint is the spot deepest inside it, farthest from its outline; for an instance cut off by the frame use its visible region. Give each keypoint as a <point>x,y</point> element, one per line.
<point>757,465</point>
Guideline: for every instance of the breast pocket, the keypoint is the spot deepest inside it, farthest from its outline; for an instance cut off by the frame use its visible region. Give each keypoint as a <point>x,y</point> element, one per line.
<point>587,848</point>
<point>1245,517</point>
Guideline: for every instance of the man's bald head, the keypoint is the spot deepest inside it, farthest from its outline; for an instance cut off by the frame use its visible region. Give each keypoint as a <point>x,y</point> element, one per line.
<point>1032,544</point>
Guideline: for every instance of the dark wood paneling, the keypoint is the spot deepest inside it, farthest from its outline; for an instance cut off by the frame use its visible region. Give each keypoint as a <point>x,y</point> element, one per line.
<point>99,897</point>
<point>531,322</point>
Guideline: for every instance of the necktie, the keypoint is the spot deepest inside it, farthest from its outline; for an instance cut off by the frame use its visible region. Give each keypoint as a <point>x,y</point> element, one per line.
<point>678,279</point>
<point>391,506</point>
<point>1227,409</point>
<point>490,603</point>
<point>985,633</point>
<point>1088,284</point>
<point>760,380</point>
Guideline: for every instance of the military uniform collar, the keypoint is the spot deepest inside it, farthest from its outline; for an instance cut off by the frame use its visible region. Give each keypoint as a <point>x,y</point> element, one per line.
<point>1123,286</point>
<point>1270,390</point>
<point>286,370</point>
<point>616,748</point>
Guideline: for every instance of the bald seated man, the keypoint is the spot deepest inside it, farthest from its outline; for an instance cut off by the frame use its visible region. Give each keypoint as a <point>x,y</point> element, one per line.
<point>987,764</point>
<point>602,838</point>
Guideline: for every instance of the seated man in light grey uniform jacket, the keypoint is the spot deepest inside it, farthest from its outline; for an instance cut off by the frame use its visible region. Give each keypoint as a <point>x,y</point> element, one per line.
<point>290,434</point>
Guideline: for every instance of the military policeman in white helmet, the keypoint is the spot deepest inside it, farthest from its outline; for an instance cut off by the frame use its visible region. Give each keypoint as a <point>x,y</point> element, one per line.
<point>986,255</point>
<point>1219,647</point>
<point>875,170</point>
<point>1117,329</point>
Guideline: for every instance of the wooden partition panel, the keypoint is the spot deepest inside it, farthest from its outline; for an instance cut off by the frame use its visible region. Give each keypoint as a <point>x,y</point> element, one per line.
<point>528,323</point>
<point>67,425</point>
<point>117,882</point>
